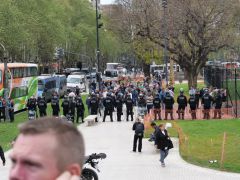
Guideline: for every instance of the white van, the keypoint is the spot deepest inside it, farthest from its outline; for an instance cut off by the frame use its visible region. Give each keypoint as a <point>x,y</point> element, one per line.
<point>76,80</point>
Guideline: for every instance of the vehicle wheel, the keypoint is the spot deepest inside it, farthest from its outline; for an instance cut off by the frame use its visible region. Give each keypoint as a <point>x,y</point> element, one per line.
<point>89,174</point>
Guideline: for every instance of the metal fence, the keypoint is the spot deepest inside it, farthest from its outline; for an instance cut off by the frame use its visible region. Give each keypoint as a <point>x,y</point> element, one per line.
<point>229,79</point>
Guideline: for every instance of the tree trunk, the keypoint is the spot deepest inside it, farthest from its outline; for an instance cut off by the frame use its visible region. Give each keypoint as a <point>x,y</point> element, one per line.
<point>192,78</point>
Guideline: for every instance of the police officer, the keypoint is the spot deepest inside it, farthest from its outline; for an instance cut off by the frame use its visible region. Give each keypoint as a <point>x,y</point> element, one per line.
<point>2,109</point>
<point>142,103</point>
<point>55,105</point>
<point>157,107</point>
<point>169,102</point>
<point>129,105</point>
<point>65,105</point>
<point>42,106</point>
<point>109,107</point>
<point>218,105</point>
<point>93,105</point>
<point>80,108</point>
<point>207,102</point>
<point>10,105</point>
<point>32,104</point>
<point>72,106</point>
<point>77,90</point>
<point>193,105</point>
<point>182,104</point>
<point>119,105</point>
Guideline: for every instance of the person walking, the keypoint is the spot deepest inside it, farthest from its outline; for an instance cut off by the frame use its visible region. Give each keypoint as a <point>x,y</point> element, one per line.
<point>162,143</point>
<point>149,101</point>
<point>2,156</point>
<point>138,128</point>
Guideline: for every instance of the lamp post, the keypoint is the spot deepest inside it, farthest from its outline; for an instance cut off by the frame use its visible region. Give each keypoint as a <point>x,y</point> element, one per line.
<point>5,80</point>
<point>98,25</point>
<point>164,5</point>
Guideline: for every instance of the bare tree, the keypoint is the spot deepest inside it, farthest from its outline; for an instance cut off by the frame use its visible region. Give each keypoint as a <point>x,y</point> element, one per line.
<point>196,28</point>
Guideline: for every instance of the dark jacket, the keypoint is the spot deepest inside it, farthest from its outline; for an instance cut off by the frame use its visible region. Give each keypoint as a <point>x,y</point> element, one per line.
<point>2,155</point>
<point>162,140</point>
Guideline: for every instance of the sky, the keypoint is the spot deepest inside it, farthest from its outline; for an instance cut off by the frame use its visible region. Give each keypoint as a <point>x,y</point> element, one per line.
<point>107,1</point>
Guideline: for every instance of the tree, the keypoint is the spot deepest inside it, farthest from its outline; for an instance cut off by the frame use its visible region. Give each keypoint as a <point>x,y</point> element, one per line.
<point>196,28</point>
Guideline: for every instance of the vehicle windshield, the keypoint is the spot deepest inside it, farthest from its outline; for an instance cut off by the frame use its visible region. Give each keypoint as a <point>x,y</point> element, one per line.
<point>40,85</point>
<point>74,80</point>
<point>111,74</point>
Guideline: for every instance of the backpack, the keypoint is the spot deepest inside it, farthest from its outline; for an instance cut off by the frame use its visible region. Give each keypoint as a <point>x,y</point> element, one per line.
<point>139,129</point>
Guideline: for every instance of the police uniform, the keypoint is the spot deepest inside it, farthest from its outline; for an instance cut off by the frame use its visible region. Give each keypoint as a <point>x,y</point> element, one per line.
<point>80,109</point>
<point>109,105</point>
<point>129,106</point>
<point>93,105</point>
<point>10,105</point>
<point>72,106</point>
<point>2,109</point>
<point>55,106</point>
<point>169,102</point>
<point>119,105</point>
<point>32,104</point>
<point>218,106</point>
<point>206,101</point>
<point>65,106</point>
<point>42,106</point>
<point>182,103</point>
<point>193,105</point>
<point>157,107</point>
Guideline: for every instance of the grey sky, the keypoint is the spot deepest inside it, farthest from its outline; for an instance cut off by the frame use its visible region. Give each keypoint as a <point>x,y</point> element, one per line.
<point>107,1</point>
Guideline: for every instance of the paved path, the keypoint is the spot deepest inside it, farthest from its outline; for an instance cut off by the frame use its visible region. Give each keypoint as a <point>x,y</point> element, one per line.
<point>115,139</point>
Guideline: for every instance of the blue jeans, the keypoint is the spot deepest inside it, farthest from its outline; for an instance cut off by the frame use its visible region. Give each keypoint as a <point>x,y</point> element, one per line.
<point>163,155</point>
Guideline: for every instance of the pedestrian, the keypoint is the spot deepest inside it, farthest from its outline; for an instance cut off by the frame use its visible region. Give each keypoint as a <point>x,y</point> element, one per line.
<point>149,101</point>
<point>2,156</point>
<point>162,140</point>
<point>2,108</point>
<point>138,128</point>
<point>80,108</point>
<point>182,104</point>
<point>72,106</point>
<point>218,105</point>
<point>129,107</point>
<point>59,151</point>
<point>193,105</point>
<point>207,103</point>
<point>119,106</point>
<point>55,105</point>
<point>42,106</point>
<point>65,105</point>
<point>108,104</point>
<point>32,105</point>
<point>77,91</point>
<point>153,135</point>
<point>141,105</point>
<point>157,107</point>
<point>10,105</point>
<point>93,105</point>
<point>169,102</point>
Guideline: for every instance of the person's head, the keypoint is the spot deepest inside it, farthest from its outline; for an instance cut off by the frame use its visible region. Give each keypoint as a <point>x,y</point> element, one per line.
<point>153,125</point>
<point>181,91</point>
<point>45,148</point>
<point>162,127</point>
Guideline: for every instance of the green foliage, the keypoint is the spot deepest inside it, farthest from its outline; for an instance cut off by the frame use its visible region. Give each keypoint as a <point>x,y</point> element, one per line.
<point>31,29</point>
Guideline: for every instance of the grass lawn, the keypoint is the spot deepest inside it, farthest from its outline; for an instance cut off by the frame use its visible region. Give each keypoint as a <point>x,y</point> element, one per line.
<point>203,142</point>
<point>8,131</point>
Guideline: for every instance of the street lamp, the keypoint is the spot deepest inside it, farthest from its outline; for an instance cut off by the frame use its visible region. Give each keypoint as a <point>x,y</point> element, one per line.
<point>98,25</point>
<point>164,5</point>
<point>5,80</point>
